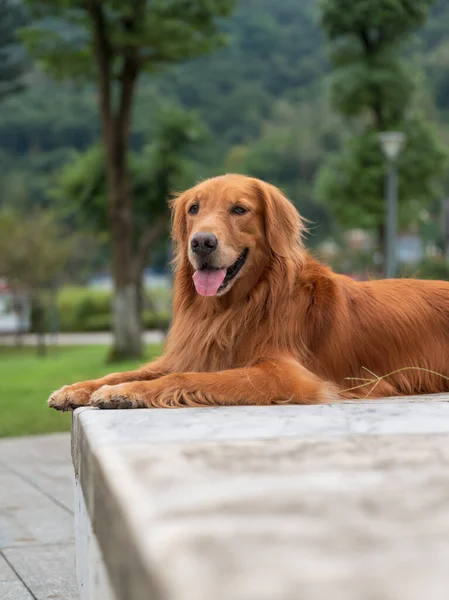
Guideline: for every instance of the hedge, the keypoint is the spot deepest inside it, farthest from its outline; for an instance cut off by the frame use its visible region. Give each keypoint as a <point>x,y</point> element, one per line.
<point>87,309</point>
<point>429,268</point>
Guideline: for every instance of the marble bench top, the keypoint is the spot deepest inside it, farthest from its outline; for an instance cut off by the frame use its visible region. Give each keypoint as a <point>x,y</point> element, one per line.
<point>346,501</point>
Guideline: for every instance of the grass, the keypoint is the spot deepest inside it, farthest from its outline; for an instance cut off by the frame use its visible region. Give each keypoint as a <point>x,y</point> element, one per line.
<point>27,380</point>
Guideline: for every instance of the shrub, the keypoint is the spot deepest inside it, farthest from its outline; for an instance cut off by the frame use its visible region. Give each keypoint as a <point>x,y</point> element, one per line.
<point>87,309</point>
<point>429,268</point>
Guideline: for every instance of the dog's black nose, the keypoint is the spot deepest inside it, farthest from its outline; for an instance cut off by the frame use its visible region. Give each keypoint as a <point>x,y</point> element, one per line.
<point>203,243</point>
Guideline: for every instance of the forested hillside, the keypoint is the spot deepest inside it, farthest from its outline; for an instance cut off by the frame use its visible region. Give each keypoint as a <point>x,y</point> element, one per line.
<point>262,98</point>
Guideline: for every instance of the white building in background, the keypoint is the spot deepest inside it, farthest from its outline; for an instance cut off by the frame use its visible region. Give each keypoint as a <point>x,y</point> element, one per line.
<point>410,249</point>
<point>15,310</point>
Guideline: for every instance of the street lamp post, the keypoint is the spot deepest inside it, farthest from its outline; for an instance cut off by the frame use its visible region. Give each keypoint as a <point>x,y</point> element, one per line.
<point>391,143</point>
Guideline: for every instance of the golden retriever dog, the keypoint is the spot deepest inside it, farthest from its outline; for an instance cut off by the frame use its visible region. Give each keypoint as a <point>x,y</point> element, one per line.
<point>256,320</point>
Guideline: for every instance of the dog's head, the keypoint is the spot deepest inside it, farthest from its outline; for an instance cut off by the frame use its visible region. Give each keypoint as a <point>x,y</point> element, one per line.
<point>229,227</point>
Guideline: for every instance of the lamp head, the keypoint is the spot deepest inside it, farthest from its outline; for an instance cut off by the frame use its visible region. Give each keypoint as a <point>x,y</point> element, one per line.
<point>391,143</point>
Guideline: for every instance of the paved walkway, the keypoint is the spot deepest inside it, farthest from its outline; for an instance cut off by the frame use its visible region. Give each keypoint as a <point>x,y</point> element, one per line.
<point>80,339</point>
<point>36,519</point>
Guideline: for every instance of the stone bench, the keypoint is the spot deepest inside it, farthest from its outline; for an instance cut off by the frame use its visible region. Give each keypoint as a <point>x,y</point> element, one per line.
<point>346,501</point>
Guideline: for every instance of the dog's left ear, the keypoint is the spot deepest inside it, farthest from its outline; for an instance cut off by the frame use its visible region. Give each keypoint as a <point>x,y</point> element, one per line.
<point>178,228</point>
<point>178,219</point>
<point>283,224</point>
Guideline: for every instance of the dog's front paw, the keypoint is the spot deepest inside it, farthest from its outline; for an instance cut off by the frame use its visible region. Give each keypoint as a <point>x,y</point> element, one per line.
<point>116,396</point>
<point>70,397</point>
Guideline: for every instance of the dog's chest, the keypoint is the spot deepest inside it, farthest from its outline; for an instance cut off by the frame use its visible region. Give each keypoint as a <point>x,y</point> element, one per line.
<point>210,350</point>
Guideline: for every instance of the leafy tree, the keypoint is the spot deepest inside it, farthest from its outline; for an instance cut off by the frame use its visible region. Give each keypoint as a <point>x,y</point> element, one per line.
<point>275,50</point>
<point>435,52</point>
<point>33,248</point>
<point>373,86</point>
<point>274,57</point>
<point>34,253</point>
<point>12,65</point>
<point>289,153</point>
<point>80,188</point>
<point>114,42</point>
<point>352,181</point>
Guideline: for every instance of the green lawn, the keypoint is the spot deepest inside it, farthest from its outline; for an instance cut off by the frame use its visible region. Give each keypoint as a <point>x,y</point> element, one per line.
<point>26,382</point>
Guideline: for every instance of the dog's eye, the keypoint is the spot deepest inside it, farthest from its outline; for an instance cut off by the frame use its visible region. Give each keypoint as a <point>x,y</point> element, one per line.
<point>238,210</point>
<point>193,210</point>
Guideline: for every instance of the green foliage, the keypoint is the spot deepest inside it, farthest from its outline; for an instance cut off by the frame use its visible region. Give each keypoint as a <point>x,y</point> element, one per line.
<point>352,261</point>
<point>372,82</point>
<point>289,153</point>
<point>28,124</point>
<point>274,51</point>
<point>381,86</point>
<point>429,268</point>
<point>352,183</point>
<point>76,304</point>
<point>80,188</point>
<point>435,50</point>
<point>34,249</point>
<point>154,32</point>
<point>87,309</point>
<point>12,63</point>
<point>161,166</point>
<point>113,43</point>
<point>365,40</point>
<point>35,143</point>
<point>273,62</point>
<point>377,24</point>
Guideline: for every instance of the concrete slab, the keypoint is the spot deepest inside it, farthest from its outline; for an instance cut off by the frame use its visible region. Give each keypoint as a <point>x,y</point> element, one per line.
<point>28,517</point>
<point>420,415</point>
<point>49,571</point>
<point>11,587</point>
<point>44,462</point>
<point>6,573</point>
<point>14,590</point>
<point>36,520</point>
<point>349,501</point>
<point>101,338</point>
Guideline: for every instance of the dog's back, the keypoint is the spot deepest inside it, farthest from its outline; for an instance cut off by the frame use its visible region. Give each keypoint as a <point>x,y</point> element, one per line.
<point>380,327</point>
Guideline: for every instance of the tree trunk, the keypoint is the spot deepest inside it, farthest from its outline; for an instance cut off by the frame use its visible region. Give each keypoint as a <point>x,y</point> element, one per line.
<point>40,328</point>
<point>116,128</point>
<point>381,236</point>
<point>378,115</point>
<point>126,320</point>
<point>149,237</point>
<point>18,309</point>
<point>127,323</point>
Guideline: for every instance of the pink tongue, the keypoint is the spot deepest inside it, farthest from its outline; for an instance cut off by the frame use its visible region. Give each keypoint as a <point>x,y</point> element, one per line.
<point>208,282</point>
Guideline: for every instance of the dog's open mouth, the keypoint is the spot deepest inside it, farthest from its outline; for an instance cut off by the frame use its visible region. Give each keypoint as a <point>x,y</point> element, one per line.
<point>209,282</point>
<point>232,271</point>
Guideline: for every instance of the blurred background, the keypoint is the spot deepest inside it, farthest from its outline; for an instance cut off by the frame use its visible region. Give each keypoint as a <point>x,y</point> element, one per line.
<point>108,106</point>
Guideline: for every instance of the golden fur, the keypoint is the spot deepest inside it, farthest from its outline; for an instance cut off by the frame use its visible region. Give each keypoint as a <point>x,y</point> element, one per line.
<point>287,329</point>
